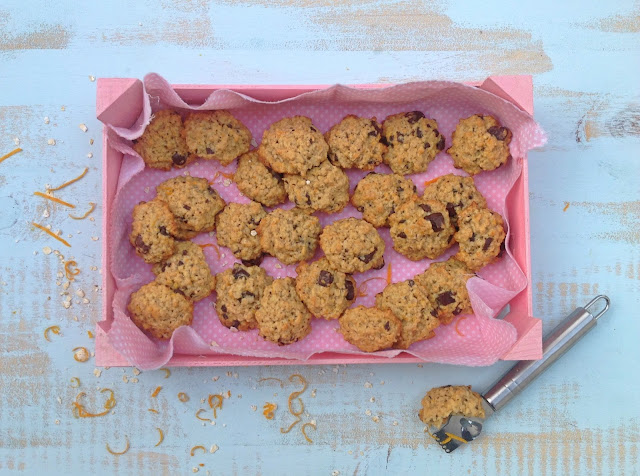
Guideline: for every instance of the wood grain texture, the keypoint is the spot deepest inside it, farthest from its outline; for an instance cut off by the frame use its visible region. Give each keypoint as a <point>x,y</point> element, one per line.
<point>580,418</point>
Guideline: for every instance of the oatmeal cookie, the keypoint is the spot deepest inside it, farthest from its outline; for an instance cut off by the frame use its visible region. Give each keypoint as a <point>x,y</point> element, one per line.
<point>162,145</point>
<point>325,291</point>
<point>370,329</point>
<point>378,196</point>
<point>355,142</point>
<point>236,228</point>
<point>153,230</point>
<point>352,245</point>
<point>325,188</point>
<point>259,182</point>
<point>441,402</point>
<point>481,236</point>
<point>289,235</point>
<point>456,192</point>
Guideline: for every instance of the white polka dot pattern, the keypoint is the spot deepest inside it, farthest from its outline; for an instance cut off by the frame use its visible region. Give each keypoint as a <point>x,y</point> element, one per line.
<point>485,339</point>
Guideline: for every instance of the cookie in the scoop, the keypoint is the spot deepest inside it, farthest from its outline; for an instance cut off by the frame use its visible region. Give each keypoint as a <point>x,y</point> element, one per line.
<point>162,144</point>
<point>456,192</point>
<point>236,228</point>
<point>370,329</point>
<point>239,291</point>
<point>480,235</point>
<point>413,142</point>
<point>441,402</point>
<point>153,230</point>
<point>258,182</point>
<point>159,310</point>
<point>479,143</point>
<point>282,317</point>
<point>378,196</point>
<point>289,235</point>
<point>355,142</point>
<point>352,245</point>
<point>216,135</point>
<point>326,292</point>
<point>325,188</point>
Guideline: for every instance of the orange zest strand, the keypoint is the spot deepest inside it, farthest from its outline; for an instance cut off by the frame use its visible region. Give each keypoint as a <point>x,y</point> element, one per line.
<point>93,207</point>
<point>361,290</point>
<point>428,182</point>
<point>118,453</point>
<point>84,172</point>
<point>389,274</point>
<point>282,430</point>
<point>272,378</point>
<point>303,381</point>
<point>217,250</point>
<point>75,380</point>
<point>566,206</point>
<point>166,371</point>
<point>226,175</point>
<point>215,405</point>
<point>296,414</point>
<point>161,436</point>
<point>71,272</point>
<point>199,447</point>
<point>54,199</point>
<point>455,437</point>
<point>462,318</point>
<point>268,410</point>
<point>53,329</point>
<point>90,334</point>
<point>13,152</point>
<point>152,410</point>
<point>80,412</point>
<point>199,417</point>
<point>156,392</point>
<point>183,397</point>
<point>49,232</point>
<point>303,429</point>
<point>81,354</point>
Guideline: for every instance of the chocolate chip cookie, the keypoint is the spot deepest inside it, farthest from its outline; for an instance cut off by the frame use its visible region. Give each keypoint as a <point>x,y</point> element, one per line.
<point>239,291</point>
<point>153,230</point>
<point>259,182</point>
<point>237,229</point>
<point>216,135</point>
<point>193,202</point>
<point>456,192</point>
<point>441,402</point>
<point>378,196</point>
<point>421,229</point>
<point>158,310</point>
<point>413,142</point>
<point>481,236</point>
<point>370,329</point>
<point>282,317</point>
<point>479,143</point>
<point>162,144</point>
<point>355,143</point>
<point>352,246</point>
<point>292,146</point>
<point>445,285</point>
<point>411,306</point>
<point>186,272</point>
<point>325,188</point>
<point>289,235</point>
<point>325,291</point>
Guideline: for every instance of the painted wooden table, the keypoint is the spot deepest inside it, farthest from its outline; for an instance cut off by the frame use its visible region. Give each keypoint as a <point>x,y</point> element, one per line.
<point>582,417</point>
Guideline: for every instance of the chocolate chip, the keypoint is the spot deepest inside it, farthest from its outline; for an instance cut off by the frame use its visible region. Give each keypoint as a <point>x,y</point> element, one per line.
<point>373,134</point>
<point>391,138</point>
<point>308,198</point>
<point>360,209</point>
<point>451,208</point>
<point>400,137</point>
<point>163,230</point>
<point>419,133</point>
<point>325,278</point>
<point>414,116</point>
<point>223,308</point>
<point>310,141</point>
<point>235,323</point>
<point>434,313</point>
<point>212,190</point>
<point>247,294</point>
<point>425,207</point>
<point>427,145</point>
<point>473,237</point>
<point>445,298</point>
<point>380,266</point>
<point>178,159</point>
<point>487,244</point>
<point>141,245</point>
<point>179,291</point>
<point>210,150</point>
<point>351,291</point>
<point>502,249</point>
<point>437,221</point>
<point>253,262</point>
<point>186,207</point>
<point>384,141</point>
<point>498,132</point>
<point>402,221</point>
<point>411,283</point>
<point>184,252</point>
<point>313,129</point>
<point>440,145</point>
<point>387,326</point>
<point>229,126</point>
<point>402,234</point>
<point>399,189</point>
<point>368,257</point>
<point>238,272</point>
<point>457,311</point>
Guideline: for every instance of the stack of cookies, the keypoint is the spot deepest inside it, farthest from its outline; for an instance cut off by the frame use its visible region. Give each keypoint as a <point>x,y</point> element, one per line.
<point>296,162</point>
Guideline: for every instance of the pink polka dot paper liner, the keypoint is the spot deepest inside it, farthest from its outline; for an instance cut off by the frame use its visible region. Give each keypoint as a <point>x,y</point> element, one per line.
<point>484,339</point>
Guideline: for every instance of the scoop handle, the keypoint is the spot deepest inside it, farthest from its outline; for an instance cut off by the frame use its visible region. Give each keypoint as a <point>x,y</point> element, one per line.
<point>555,344</point>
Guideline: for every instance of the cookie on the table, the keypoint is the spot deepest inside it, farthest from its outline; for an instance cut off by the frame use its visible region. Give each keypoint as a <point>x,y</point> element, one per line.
<point>355,143</point>
<point>153,230</point>
<point>239,291</point>
<point>236,228</point>
<point>193,201</point>
<point>325,291</point>
<point>445,285</point>
<point>479,143</point>
<point>292,146</point>
<point>325,188</point>
<point>352,246</point>
<point>409,303</point>
<point>456,192</point>
<point>186,272</point>
<point>378,196</point>
<point>159,310</point>
<point>480,235</point>
<point>282,317</point>
<point>413,142</point>
<point>162,144</point>
<point>258,182</point>
<point>421,229</point>
<point>289,235</point>
<point>216,135</point>
<point>370,329</point>
<point>441,402</point>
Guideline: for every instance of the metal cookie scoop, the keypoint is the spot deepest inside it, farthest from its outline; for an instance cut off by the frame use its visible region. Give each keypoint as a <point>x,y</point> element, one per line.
<point>459,429</point>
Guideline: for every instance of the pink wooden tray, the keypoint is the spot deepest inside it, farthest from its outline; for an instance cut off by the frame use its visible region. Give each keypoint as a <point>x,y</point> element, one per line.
<point>119,103</point>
